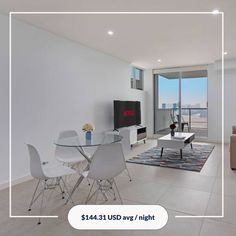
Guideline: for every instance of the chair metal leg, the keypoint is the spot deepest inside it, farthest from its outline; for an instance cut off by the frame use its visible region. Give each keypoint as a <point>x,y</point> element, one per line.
<point>113,190</point>
<point>161,152</point>
<point>97,192</point>
<point>118,192</point>
<point>62,191</point>
<point>49,186</point>
<point>32,200</point>
<point>104,195</point>
<point>88,182</point>
<point>99,183</point>
<point>41,205</point>
<point>36,198</point>
<point>114,195</point>
<point>103,189</point>
<point>67,191</point>
<point>88,197</point>
<point>91,196</point>
<point>130,179</point>
<point>77,184</point>
<point>182,128</point>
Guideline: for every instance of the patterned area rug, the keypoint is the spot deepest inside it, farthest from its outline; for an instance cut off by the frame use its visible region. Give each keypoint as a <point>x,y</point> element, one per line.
<point>193,159</point>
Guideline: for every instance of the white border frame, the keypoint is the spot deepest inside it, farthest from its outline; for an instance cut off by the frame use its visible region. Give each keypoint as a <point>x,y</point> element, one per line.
<point>111,13</point>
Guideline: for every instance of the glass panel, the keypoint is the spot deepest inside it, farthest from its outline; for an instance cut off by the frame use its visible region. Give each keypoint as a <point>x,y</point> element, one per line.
<point>194,102</point>
<point>139,78</point>
<point>167,101</point>
<point>168,90</point>
<point>136,76</point>
<point>96,140</point>
<point>132,76</point>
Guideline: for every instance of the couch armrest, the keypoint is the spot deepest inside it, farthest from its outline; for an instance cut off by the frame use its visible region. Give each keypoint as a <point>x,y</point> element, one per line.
<point>233,151</point>
<point>233,129</point>
<point>233,143</point>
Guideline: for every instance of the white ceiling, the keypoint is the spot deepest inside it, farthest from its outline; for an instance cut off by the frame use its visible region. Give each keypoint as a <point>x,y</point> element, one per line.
<point>178,40</point>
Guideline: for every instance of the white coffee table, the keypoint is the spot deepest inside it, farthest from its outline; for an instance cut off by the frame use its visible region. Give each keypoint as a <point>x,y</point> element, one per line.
<point>179,141</point>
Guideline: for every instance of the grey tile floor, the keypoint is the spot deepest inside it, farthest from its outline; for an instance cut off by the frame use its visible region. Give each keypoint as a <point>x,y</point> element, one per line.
<point>181,192</point>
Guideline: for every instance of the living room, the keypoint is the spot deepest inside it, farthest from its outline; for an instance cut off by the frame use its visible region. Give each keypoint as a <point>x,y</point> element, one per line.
<point>102,73</point>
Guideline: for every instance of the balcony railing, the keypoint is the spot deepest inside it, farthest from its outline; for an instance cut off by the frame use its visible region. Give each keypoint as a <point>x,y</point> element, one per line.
<point>195,117</point>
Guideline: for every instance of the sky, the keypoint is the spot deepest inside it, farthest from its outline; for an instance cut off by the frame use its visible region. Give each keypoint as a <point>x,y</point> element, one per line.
<point>194,91</point>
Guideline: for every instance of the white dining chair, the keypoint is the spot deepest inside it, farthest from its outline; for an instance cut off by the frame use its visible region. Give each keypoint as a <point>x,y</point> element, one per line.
<point>44,172</point>
<point>68,155</point>
<point>126,145</point>
<point>107,163</point>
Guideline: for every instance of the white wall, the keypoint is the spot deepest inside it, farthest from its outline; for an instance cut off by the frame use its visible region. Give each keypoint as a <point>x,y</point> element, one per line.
<point>4,99</point>
<point>230,98</point>
<point>149,102</point>
<point>58,84</point>
<point>215,107</point>
<point>214,104</point>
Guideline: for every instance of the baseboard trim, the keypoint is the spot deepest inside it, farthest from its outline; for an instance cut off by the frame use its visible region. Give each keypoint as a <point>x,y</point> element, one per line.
<point>16,181</point>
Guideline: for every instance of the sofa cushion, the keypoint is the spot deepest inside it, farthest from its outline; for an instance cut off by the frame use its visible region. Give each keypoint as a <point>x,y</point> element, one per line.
<point>234,129</point>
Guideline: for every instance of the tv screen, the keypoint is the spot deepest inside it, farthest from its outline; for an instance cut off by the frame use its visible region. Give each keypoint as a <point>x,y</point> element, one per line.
<point>126,113</point>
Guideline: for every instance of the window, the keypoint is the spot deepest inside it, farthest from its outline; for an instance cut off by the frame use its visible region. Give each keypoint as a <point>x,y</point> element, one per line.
<point>181,92</point>
<point>136,76</point>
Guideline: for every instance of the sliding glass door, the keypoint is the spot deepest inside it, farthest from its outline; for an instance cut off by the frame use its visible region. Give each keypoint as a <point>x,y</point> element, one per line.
<point>167,101</point>
<point>181,98</point>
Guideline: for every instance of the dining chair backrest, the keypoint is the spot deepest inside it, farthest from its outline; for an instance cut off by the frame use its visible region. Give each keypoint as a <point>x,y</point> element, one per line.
<point>173,118</point>
<point>107,162</point>
<point>68,133</point>
<point>182,118</point>
<point>36,169</point>
<point>66,152</point>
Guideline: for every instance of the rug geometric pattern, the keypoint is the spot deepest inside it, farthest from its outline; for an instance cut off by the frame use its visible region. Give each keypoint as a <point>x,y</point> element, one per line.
<point>193,159</point>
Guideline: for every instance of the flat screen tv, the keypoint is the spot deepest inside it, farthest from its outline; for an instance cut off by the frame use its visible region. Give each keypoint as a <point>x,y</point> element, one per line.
<point>126,113</point>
